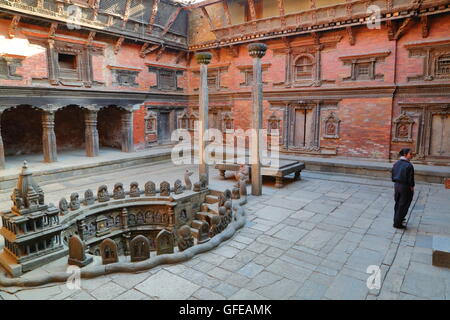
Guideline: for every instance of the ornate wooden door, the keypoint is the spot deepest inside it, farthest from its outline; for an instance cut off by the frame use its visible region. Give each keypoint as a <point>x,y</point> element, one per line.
<point>440,135</point>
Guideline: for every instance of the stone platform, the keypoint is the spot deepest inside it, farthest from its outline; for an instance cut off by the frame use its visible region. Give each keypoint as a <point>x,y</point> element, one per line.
<point>75,163</point>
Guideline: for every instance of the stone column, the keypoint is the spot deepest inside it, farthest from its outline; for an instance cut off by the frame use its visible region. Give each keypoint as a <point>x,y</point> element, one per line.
<point>257,51</point>
<point>127,132</point>
<point>48,136</point>
<point>91,133</point>
<point>2,150</point>
<point>203,58</point>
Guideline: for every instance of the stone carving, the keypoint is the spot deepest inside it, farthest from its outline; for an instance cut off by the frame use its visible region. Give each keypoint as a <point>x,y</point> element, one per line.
<point>229,212</point>
<point>108,251</point>
<point>197,187</point>
<point>89,197</point>
<point>215,222</point>
<point>203,232</point>
<point>150,188</point>
<point>187,179</point>
<point>118,192</point>
<point>101,226</point>
<point>102,194</point>
<point>331,126</point>
<point>227,194</point>
<point>235,193</point>
<point>164,189</point>
<point>242,174</point>
<point>178,187</point>
<point>222,199</point>
<point>63,206</point>
<point>403,126</point>
<point>183,216</point>
<point>134,190</point>
<point>223,219</point>
<point>203,182</point>
<point>242,188</point>
<point>77,252</point>
<point>164,242</point>
<point>139,248</point>
<point>74,201</point>
<point>185,239</point>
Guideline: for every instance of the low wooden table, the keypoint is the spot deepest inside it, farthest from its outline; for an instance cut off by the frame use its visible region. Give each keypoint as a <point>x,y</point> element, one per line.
<point>284,168</point>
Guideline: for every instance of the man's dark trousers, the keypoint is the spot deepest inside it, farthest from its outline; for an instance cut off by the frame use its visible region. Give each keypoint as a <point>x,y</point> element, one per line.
<point>403,198</point>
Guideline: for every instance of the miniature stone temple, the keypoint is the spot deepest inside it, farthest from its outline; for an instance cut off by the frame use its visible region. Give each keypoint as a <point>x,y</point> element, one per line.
<point>32,229</point>
<point>124,222</point>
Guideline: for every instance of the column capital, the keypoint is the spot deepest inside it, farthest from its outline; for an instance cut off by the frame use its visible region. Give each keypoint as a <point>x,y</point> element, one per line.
<point>203,57</point>
<point>257,50</point>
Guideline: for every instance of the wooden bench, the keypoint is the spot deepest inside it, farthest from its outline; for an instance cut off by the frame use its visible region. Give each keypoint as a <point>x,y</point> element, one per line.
<point>284,168</point>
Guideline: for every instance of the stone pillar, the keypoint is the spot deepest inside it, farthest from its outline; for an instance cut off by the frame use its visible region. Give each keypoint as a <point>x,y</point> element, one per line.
<point>257,51</point>
<point>91,133</point>
<point>203,58</point>
<point>127,132</point>
<point>2,150</point>
<point>48,136</point>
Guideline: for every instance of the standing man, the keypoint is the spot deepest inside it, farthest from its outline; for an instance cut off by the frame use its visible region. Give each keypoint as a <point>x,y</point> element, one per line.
<point>403,176</point>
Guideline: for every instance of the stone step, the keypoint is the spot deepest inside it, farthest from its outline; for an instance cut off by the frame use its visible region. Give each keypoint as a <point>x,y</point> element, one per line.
<point>210,199</point>
<point>204,216</point>
<point>196,224</point>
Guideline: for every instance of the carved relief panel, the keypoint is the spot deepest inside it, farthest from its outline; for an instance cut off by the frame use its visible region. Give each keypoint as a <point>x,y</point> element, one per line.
<point>331,126</point>
<point>403,128</point>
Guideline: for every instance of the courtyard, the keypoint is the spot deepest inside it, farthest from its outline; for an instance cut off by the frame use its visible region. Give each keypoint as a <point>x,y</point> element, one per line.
<point>313,239</point>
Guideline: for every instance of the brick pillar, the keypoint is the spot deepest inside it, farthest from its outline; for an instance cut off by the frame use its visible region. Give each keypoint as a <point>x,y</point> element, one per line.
<point>91,133</point>
<point>257,51</point>
<point>2,150</point>
<point>48,136</point>
<point>203,58</point>
<point>127,132</point>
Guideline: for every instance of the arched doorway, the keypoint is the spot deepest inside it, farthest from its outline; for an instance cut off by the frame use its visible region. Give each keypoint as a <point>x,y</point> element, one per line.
<point>109,124</point>
<point>69,128</point>
<point>21,130</point>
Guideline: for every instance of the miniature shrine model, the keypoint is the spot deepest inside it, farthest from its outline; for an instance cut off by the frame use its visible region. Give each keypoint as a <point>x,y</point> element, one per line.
<point>131,223</point>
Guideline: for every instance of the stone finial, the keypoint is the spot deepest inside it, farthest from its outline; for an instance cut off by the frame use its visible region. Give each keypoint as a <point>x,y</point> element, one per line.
<point>27,195</point>
<point>203,57</point>
<point>257,50</point>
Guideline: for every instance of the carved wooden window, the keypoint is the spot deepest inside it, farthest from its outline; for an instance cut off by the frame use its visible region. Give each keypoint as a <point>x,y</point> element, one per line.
<point>8,68</point>
<point>364,66</point>
<point>212,80</point>
<point>166,79</point>
<point>443,65</point>
<point>188,121</point>
<point>68,66</point>
<point>304,68</point>
<point>124,78</point>
<point>403,126</point>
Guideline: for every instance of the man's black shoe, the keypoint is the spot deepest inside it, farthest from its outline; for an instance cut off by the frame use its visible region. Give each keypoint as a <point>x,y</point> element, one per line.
<point>400,226</point>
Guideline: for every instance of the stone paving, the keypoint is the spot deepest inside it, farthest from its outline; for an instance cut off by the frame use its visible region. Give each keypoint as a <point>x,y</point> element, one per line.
<point>313,239</point>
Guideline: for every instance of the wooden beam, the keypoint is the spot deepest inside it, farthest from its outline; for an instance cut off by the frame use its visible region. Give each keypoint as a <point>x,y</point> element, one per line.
<point>227,12</point>
<point>151,22</point>
<point>171,21</point>
<point>402,28</point>
<point>13,26</point>
<point>118,45</point>
<point>351,36</point>
<point>126,12</point>
<point>425,26</point>
<point>282,12</point>
<point>252,9</point>
<point>206,14</point>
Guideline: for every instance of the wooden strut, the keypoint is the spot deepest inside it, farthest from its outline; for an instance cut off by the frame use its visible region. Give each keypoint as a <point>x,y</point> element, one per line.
<point>351,36</point>
<point>206,14</point>
<point>282,13</point>
<point>227,13</point>
<point>91,37</point>
<point>402,28</point>
<point>118,45</point>
<point>13,26</point>
<point>171,21</point>
<point>52,31</point>
<point>160,52</point>
<point>425,26</point>
<point>153,16</point>
<point>146,49</point>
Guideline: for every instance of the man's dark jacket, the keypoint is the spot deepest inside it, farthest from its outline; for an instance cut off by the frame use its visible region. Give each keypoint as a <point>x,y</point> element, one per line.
<point>403,172</point>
